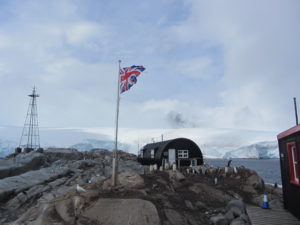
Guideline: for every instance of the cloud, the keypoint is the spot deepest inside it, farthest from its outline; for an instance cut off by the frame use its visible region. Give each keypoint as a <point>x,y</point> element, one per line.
<point>259,49</point>
<point>85,32</point>
<point>164,105</point>
<point>220,64</point>
<point>197,67</point>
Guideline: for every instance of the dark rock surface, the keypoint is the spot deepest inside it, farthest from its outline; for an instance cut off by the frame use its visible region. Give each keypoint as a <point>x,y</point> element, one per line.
<point>47,195</point>
<point>40,177</point>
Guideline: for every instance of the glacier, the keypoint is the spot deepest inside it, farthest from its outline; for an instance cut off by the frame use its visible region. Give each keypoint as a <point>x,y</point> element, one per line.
<point>213,142</point>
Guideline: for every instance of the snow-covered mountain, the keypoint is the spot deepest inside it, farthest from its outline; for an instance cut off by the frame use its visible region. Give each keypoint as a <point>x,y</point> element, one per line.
<point>93,143</point>
<point>214,143</point>
<point>260,150</point>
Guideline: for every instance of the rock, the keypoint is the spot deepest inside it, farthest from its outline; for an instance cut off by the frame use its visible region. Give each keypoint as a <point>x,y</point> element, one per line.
<point>229,215</point>
<point>236,211</point>
<point>276,204</point>
<point>29,179</point>
<point>254,184</point>
<point>21,164</point>
<point>191,220</point>
<point>176,176</point>
<point>245,217</point>
<point>104,211</point>
<point>201,205</point>
<point>210,192</point>
<point>120,211</point>
<point>219,220</point>
<point>189,204</point>
<point>174,217</point>
<point>17,201</point>
<point>237,207</point>
<point>238,221</point>
<point>42,215</point>
<point>130,180</point>
<point>51,174</point>
<point>65,210</point>
<point>234,194</point>
<point>258,199</point>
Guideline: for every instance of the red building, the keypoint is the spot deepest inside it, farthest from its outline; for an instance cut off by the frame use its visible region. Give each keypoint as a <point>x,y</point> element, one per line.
<point>289,152</point>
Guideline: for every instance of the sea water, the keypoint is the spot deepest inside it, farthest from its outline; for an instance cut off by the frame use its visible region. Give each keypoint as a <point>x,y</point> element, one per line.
<point>268,169</point>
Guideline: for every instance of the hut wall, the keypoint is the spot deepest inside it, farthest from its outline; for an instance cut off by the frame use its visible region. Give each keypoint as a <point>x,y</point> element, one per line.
<point>291,192</point>
<point>161,151</point>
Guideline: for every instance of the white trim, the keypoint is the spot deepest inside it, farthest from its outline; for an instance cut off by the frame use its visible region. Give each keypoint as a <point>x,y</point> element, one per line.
<point>296,175</point>
<point>183,154</point>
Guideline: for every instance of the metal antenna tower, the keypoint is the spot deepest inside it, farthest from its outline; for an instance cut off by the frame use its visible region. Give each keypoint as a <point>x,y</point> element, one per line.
<point>30,136</point>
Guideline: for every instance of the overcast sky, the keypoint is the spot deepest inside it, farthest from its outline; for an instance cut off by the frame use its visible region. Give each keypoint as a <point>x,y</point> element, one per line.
<point>227,64</point>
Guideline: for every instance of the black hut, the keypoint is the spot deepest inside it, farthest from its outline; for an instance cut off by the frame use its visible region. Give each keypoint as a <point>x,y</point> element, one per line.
<point>180,151</point>
<point>289,152</point>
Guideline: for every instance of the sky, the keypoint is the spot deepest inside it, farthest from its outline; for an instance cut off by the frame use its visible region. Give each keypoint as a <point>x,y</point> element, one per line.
<point>221,64</point>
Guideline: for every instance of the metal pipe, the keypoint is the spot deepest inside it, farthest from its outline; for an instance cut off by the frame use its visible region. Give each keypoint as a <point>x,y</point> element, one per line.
<point>296,114</point>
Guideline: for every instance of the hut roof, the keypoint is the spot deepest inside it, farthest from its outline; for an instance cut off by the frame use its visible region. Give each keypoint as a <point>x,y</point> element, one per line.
<point>288,132</point>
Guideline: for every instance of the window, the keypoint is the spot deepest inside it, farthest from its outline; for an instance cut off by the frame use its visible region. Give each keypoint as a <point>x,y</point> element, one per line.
<point>183,154</point>
<point>141,153</point>
<point>152,153</point>
<point>293,163</point>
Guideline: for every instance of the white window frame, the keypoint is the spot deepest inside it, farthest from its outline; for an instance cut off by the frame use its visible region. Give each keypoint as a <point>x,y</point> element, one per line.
<point>183,154</point>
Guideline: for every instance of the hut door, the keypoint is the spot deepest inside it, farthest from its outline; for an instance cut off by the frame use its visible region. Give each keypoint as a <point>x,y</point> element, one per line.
<point>172,156</point>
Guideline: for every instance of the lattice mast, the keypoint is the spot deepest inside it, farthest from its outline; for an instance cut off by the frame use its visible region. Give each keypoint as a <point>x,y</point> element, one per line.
<point>30,135</point>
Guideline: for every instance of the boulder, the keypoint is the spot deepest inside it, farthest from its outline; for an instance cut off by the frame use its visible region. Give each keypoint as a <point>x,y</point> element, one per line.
<point>254,184</point>
<point>229,215</point>
<point>245,217</point>
<point>189,204</point>
<point>130,180</point>
<point>27,180</point>
<point>238,221</point>
<point>200,205</point>
<point>120,211</point>
<point>42,215</point>
<point>174,217</point>
<point>211,193</point>
<point>237,207</point>
<point>65,210</point>
<point>219,220</point>
<point>176,175</point>
<point>276,204</point>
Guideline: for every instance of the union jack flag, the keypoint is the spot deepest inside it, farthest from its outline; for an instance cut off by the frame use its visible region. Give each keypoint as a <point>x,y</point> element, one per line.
<point>128,76</point>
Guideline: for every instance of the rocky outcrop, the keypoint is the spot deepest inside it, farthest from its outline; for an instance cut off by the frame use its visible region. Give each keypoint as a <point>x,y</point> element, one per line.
<point>158,198</point>
<point>24,162</point>
<point>61,175</point>
<point>76,210</point>
<point>14,185</point>
<point>213,196</point>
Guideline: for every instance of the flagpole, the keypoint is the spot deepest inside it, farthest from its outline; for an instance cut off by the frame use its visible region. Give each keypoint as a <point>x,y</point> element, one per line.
<point>115,153</point>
